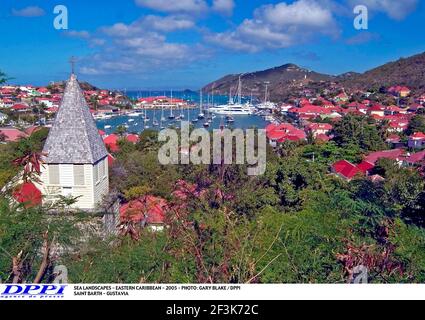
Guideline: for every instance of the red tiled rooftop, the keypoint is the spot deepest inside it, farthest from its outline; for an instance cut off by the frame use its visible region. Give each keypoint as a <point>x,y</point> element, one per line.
<point>418,136</point>
<point>12,134</point>
<point>387,154</point>
<point>416,157</point>
<point>365,166</point>
<point>345,169</point>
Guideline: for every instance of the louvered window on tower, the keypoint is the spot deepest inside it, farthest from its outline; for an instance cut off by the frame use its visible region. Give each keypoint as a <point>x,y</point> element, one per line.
<point>79,178</point>
<point>106,166</point>
<point>101,170</point>
<point>54,174</point>
<point>96,173</point>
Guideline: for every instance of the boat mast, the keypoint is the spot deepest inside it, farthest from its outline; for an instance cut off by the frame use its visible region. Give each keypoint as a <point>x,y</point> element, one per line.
<point>200,103</point>
<point>267,87</point>
<point>240,91</point>
<point>171,109</point>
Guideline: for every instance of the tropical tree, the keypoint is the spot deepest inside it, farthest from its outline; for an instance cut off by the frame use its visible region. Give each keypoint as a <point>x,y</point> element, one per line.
<point>417,124</point>
<point>3,77</point>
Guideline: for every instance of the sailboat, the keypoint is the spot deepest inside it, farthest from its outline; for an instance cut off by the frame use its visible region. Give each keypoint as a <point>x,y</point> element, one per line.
<point>171,116</point>
<point>155,122</point>
<point>266,104</point>
<point>201,112</point>
<point>146,115</point>
<point>162,114</point>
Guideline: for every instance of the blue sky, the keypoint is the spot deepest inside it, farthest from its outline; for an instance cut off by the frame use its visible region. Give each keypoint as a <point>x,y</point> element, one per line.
<point>163,44</point>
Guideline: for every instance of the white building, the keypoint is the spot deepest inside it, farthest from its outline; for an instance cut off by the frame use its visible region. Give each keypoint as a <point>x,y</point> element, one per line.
<point>75,156</point>
<point>3,117</point>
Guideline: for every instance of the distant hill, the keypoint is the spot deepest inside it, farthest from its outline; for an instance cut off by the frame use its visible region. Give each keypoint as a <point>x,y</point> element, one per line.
<point>406,71</point>
<point>84,85</point>
<point>280,79</point>
<point>284,79</point>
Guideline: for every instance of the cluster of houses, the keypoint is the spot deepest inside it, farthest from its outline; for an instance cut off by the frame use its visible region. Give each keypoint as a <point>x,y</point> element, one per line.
<point>349,171</point>
<point>161,102</point>
<point>43,102</point>
<point>315,116</point>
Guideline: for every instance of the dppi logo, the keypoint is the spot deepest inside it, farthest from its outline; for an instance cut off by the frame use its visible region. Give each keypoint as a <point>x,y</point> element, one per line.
<point>33,291</point>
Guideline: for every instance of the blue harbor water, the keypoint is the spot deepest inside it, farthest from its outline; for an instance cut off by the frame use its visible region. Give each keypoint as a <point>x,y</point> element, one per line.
<point>138,124</point>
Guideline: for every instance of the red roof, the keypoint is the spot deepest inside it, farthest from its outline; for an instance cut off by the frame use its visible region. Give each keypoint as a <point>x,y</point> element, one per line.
<point>346,169</point>
<point>20,107</point>
<point>43,90</point>
<point>377,107</point>
<point>150,209</point>
<point>365,167</point>
<point>418,136</point>
<point>284,131</point>
<point>311,109</point>
<point>320,126</point>
<point>111,141</point>
<point>28,194</point>
<point>416,157</point>
<point>397,89</point>
<point>322,137</point>
<point>12,134</point>
<point>133,138</point>
<point>394,138</point>
<point>52,109</point>
<point>387,154</point>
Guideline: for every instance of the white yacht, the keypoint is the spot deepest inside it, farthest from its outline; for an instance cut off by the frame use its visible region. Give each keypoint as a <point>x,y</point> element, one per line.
<point>266,105</point>
<point>102,116</point>
<point>134,114</point>
<point>234,108</point>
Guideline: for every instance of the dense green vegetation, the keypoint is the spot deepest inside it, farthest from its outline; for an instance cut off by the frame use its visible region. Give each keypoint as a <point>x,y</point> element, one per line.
<point>295,224</point>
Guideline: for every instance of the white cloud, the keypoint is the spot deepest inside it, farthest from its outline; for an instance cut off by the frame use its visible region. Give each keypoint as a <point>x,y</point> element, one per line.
<point>185,6</point>
<point>149,23</point>
<point>362,38</point>
<point>78,34</point>
<point>29,12</point>
<point>141,46</point>
<point>395,9</point>
<point>279,26</point>
<point>224,6</point>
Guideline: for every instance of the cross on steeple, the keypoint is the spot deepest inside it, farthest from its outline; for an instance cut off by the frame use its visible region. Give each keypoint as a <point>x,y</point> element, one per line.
<point>73,61</point>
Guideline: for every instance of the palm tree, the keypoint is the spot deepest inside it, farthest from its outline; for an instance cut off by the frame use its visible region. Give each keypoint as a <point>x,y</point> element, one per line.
<point>3,77</point>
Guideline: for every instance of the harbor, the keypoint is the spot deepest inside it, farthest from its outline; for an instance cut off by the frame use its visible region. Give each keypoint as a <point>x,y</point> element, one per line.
<point>140,123</point>
<point>201,110</point>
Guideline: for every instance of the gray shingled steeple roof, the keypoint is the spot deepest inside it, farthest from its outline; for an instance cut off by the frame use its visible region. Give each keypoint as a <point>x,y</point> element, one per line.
<point>74,137</point>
